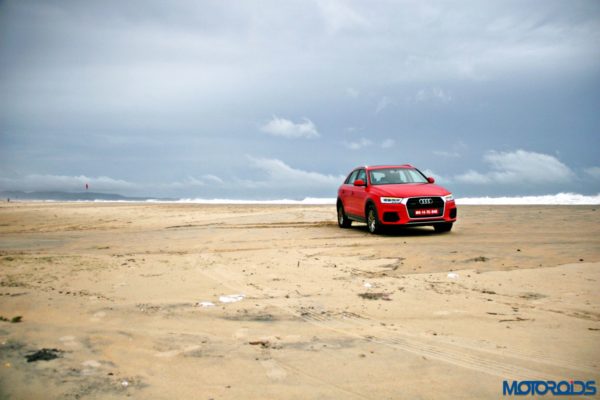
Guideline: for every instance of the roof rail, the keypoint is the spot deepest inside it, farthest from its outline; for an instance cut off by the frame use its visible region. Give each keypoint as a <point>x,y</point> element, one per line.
<point>387,165</point>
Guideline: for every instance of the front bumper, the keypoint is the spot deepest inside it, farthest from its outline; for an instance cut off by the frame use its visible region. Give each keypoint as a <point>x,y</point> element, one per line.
<point>398,214</point>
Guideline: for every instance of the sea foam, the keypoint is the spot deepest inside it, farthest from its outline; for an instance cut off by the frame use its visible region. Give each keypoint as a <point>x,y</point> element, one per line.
<point>551,199</point>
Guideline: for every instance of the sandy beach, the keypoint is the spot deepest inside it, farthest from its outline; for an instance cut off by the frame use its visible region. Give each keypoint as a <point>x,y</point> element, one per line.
<point>171,301</point>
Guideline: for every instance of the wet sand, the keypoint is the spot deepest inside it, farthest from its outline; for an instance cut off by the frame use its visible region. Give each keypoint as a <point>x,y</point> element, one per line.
<point>118,290</point>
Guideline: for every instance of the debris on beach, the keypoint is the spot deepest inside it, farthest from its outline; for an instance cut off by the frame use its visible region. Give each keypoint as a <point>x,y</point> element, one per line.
<point>231,298</point>
<point>43,355</point>
<point>452,275</point>
<point>478,259</point>
<point>265,344</point>
<point>375,296</point>
<point>517,319</point>
<point>205,304</point>
<point>532,296</point>
<point>367,285</point>
<point>13,320</point>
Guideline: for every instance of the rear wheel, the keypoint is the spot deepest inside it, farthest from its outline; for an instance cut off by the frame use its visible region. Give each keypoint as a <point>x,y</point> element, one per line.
<point>443,227</point>
<point>343,220</point>
<point>372,220</point>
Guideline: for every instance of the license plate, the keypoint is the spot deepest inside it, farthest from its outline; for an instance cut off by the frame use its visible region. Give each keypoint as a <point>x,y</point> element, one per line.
<point>428,211</point>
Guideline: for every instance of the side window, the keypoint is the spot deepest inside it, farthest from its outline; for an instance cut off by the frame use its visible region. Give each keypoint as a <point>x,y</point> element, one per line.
<point>361,175</point>
<point>351,178</point>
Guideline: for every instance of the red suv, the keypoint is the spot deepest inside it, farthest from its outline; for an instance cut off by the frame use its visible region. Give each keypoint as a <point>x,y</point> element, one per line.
<point>394,195</point>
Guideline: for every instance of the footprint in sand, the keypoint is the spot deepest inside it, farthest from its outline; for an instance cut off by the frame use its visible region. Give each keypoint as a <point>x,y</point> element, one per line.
<point>241,334</point>
<point>91,363</point>
<point>91,367</point>
<point>69,341</point>
<point>449,312</point>
<point>97,317</point>
<point>273,370</point>
<point>173,353</point>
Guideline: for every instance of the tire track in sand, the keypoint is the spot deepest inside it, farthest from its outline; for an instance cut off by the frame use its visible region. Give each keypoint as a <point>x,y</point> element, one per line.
<point>493,363</point>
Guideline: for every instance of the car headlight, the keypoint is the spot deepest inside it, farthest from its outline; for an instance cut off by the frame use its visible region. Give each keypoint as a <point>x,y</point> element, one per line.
<point>391,200</point>
<point>450,197</point>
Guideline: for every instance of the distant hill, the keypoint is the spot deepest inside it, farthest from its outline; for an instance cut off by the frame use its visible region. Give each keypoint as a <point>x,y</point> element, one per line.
<point>65,196</point>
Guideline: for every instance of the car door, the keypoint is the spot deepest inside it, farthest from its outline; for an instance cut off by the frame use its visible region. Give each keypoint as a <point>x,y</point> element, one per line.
<point>359,195</point>
<point>348,192</point>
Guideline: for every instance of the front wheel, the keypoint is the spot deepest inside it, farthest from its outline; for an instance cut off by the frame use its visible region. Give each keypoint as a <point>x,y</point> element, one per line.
<point>372,220</point>
<point>443,227</point>
<point>343,220</point>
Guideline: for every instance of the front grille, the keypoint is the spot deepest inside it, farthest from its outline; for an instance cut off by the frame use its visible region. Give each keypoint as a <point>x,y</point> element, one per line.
<point>414,206</point>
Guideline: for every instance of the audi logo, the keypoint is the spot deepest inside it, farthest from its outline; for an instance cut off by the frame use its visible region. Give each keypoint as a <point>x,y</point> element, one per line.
<point>425,201</point>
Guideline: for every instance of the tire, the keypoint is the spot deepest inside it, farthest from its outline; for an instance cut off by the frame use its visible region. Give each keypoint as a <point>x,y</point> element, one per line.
<point>343,220</point>
<point>373,224</point>
<point>443,227</point>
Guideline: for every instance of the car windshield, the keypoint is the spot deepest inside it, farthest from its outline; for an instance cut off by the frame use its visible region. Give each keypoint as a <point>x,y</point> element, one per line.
<point>394,176</point>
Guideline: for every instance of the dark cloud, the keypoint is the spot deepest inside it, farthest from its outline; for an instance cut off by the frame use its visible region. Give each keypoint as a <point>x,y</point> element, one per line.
<point>154,93</point>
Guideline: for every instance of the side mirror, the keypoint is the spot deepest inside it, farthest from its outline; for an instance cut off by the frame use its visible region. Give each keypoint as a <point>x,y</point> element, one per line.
<point>359,182</point>
<point>430,180</point>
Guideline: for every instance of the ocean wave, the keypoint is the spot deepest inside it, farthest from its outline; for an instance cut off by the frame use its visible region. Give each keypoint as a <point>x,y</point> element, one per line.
<point>550,199</point>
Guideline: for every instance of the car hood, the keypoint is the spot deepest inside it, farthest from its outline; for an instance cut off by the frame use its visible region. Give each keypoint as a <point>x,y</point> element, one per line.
<point>409,190</point>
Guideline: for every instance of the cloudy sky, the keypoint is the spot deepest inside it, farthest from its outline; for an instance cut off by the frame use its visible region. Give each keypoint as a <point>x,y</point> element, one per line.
<point>271,99</point>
